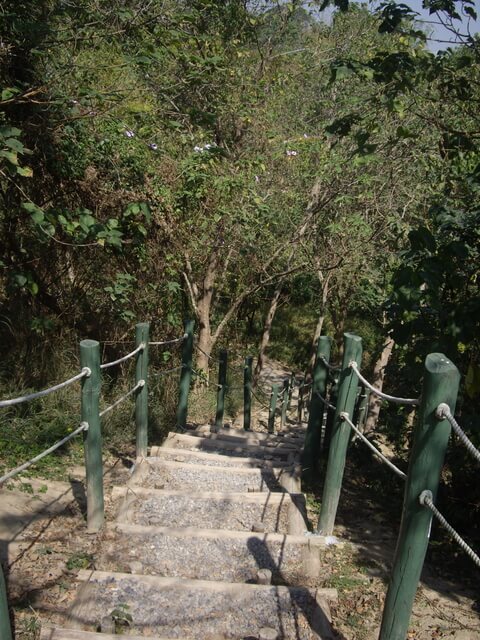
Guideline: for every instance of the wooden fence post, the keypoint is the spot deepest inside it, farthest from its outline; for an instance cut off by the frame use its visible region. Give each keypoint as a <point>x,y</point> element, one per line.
<point>285,398</point>
<point>247,392</point>
<point>333,397</point>
<point>440,384</point>
<point>317,408</point>
<point>273,408</point>
<point>5,628</point>
<point>222,387</point>
<point>90,357</point>
<point>185,375</point>
<point>301,390</point>
<point>347,391</point>
<point>142,336</point>
<point>360,414</point>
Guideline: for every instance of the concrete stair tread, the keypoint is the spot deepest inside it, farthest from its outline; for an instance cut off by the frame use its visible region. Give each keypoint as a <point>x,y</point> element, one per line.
<point>213,459</point>
<point>166,474</point>
<point>214,554</point>
<point>183,608</point>
<point>55,633</point>
<point>277,511</point>
<point>183,441</point>
<point>251,438</point>
<point>260,436</point>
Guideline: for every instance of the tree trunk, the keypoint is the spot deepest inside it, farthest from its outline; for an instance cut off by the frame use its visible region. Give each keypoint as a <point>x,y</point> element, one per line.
<point>267,326</point>
<point>325,285</point>
<point>375,403</point>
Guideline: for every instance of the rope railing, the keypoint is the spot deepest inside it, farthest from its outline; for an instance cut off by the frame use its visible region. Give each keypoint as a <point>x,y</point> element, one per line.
<point>444,413</point>
<point>14,472</point>
<point>265,406</point>
<point>325,402</point>
<point>209,357</point>
<point>107,365</point>
<point>40,394</point>
<point>166,372</point>
<point>329,366</point>
<point>373,448</point>
<point>426,500</point>
<point>139,385</point>
<point>381,394</point>
<point>165,342</point>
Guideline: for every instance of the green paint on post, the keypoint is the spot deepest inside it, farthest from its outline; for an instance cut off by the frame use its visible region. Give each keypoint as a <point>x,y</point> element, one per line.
<point>90,357</point>
<point>273,408</point>
<point>222,387</point>
<point>314,428</point>
<point>247,393</point>
<point>360,414</point>
<point>142,337</point>
<point>347,391</point>
<point>333,397</point>
<point>285,397</point>
<point>301,391</point>
<point>185,375</point>
<point>430,442</point>
<point>5,628</point>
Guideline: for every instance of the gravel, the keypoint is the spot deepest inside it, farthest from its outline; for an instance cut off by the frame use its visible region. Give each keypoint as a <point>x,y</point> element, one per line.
<point>185,511</point>
<point>222,559</point>
<point>209,479</point>
<point>199,613</point>
<point>237,451</point>
<point>206,462</point>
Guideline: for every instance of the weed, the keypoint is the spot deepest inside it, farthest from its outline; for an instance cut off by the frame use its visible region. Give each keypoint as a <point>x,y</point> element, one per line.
<point>121,617</point>
<point>80,560</point>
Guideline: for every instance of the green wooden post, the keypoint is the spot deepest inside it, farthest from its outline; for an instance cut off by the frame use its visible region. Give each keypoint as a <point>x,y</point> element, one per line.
<point>286,391</point>
<point>347,390</point>
<point>185,375</point>
<point>90,357</point>
<point>360,413</point>
<point>142,336</point>
<point>301,390</point>
<point>440,384</point>
<point>273,408</point>
<point>222,387</point>
<point>317,408</point>
<point>5,628</point>
<point>291,388</point>
<point>247,393</point>
<point>333,397</point>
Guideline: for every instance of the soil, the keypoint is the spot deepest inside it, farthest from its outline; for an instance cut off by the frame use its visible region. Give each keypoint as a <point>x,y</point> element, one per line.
<point>44,543</point>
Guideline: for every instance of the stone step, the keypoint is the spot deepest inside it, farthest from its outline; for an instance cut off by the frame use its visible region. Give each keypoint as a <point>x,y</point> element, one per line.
<point>257,437</point>
<point>242,437</point>
<point>165,474</point>
<point>238,448</point>
<point>275,512</point>
<point>213,554</point>
<point>179,608</point>
<point>49,633</point>
<point>214,459</point>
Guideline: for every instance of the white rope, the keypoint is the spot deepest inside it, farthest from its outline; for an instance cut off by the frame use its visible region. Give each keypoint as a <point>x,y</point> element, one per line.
<point>107,365</point>
<point>25,465</point>
<point>379,454</point>
<point>426,500</point>
<point>325,402</point>
<point>385,396</point>
<point>329,366</point>
<point>86,372</point>
<point>167,371</point>
<point>139,385</point>
<point>444,413</point>
<point>207,354</point>
<point>181,339</point>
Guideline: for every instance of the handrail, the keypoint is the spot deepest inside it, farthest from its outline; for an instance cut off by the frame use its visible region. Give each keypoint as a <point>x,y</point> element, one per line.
<point>86,372</point>
<point>107,365</point>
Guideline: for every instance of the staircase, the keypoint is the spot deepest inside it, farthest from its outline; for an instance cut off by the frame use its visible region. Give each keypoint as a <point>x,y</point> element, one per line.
<point>210,543</point>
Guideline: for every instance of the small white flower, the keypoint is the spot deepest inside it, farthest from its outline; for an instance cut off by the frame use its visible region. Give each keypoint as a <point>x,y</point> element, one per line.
<point>290,152</point>
<point>198,149</point>
<point>305,135</point>
<point>129,133</point>
<point>257,179</point>
<point>153,146</point>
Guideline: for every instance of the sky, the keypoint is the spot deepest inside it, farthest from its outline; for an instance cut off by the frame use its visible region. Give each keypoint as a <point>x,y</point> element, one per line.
<point>442,38</point>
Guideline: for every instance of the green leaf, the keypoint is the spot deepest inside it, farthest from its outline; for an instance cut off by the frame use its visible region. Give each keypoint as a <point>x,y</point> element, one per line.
<point>10,156</point>
<point>14,144</point>
<point>20,280</point>
<point>26,172</point>
<point>7,132</point>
